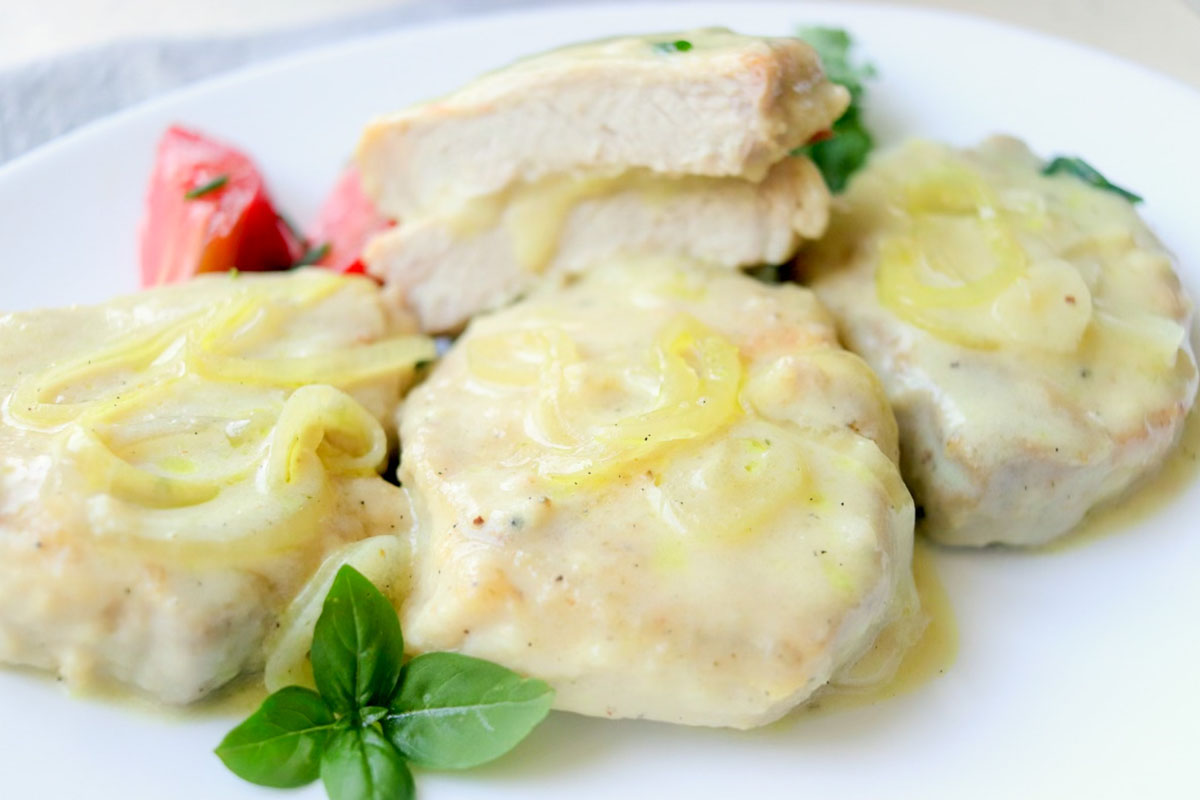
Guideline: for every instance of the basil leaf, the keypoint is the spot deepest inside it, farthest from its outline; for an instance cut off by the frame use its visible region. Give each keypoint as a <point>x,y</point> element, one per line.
<point>280,745</point>
<point>357,646</point>
<point>843,154</point>
<point>454,711</point>
<point>846,151</point>
<point>1085,172</point>
<point>360,764</point>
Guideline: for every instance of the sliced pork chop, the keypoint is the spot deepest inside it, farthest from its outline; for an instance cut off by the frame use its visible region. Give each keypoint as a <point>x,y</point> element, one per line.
<point>666,491</point>
<point>1030,330</point>
<point>174,465</point>
<point>727,105</point>
<point>444,271</point>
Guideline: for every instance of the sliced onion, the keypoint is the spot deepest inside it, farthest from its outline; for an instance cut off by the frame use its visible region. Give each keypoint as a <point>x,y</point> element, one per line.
<point>380,559</point>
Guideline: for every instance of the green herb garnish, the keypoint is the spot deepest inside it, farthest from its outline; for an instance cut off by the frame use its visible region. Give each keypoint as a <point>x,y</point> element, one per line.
<point>370,717</point>
<point>677,46</point>
<point>207,188</point>
<point>1077,167</point>
<point>845,152</point>
<point>312,255</point>
<point>281,744</point>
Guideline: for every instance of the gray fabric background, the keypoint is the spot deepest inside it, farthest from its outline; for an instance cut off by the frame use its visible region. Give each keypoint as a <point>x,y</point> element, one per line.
<point>45,99</point>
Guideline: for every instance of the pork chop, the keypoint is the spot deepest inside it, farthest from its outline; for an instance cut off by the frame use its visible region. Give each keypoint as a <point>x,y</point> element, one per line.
<point>665,490</point>
<point>445,270</point>
<point>705,102</point>
<point>175,464</point>
<point>1030,330</point>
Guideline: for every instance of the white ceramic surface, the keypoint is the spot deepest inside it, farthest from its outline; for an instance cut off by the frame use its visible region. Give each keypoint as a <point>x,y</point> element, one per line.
<point>1077,671</point>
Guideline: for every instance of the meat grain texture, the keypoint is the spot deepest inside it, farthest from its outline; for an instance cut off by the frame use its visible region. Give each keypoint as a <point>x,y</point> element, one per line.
<point>730,106</point>
<point>445,269</point>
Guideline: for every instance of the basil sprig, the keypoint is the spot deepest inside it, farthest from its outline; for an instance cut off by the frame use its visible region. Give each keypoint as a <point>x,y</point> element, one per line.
<point>845,152</point>
<point>1078,168</point>
<point>370,717</point>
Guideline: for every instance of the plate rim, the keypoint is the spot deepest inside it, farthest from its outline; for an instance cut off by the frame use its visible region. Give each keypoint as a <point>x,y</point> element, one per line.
<point>81,141</point>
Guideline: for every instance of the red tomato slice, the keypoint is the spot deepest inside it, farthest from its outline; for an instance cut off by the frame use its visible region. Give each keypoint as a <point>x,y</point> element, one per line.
<point>345,223</point>
<point>207,210</point>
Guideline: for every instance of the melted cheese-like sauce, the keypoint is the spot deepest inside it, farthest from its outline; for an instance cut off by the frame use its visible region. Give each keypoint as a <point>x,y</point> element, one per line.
<point>986,252</point>
<point>917,662</point>
<point>535,214</point>
<point>660,490</point>
<point>237,699</point>
<point>204,421</point>
<point>1180,470</point>
<point>697,374</point>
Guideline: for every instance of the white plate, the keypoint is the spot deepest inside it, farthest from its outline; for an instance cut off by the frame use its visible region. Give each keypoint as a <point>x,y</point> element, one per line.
<point>1077,671</point>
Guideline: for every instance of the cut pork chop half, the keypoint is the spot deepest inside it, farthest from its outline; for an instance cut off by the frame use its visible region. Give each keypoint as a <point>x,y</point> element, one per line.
<point>444,270</point>
<point>705,102</point>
